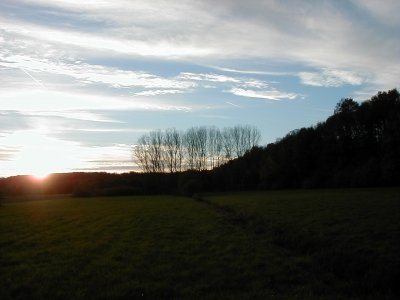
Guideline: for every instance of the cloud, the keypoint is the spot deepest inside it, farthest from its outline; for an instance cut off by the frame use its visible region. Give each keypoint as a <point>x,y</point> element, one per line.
<point>253,72</point>
<point>158,92</point>
<point>223,79</point>
<point>263,94</point>
<point>53,102</point>
<point>103,41</point>
<point>387,13</point>
<point>254,83</point>
<point>233,104</point>
<point>321,35</point>
<point>74,115</point>
<point>89,74</point>
<point>331,78</point>
<point>112,158</point>
<point>208,77</point>
<point>7,153</point>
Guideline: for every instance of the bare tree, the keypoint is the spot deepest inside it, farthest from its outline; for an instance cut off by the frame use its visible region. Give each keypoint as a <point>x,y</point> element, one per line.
<point>228,143</point>
<point>214,146</point>
<point>243,138</point>
<point>201,148</point>
<point>191,148</point>
<point>142,155</point>
<point>254,136</point>
<point>156,153</point>
<point>173,147</point>
<point>198,148</point>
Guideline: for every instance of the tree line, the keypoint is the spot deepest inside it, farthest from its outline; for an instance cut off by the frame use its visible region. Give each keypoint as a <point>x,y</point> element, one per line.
<point>358,146</point>
<point>197,148</point>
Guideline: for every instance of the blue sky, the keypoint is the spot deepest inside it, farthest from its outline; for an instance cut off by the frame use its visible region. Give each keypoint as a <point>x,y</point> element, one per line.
<point>82,80</point>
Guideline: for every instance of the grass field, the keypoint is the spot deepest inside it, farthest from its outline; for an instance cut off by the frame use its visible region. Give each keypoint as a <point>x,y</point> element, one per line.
<point>321,244</point>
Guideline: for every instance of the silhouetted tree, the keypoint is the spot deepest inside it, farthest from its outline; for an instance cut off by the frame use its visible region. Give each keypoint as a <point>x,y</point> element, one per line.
<point>359,145</point>
<point>174,151</point>
<point>198,148</point>
<point>214,147</point>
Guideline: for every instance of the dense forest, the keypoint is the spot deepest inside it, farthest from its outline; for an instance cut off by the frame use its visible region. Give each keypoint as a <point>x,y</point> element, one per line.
<point>358,146</point>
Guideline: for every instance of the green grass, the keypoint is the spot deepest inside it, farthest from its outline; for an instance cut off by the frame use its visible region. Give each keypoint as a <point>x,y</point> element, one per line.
<point>349,238</point>
<point>280,245</point>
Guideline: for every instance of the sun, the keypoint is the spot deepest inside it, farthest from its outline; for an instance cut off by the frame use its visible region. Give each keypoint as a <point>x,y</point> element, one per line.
<point>40,176</point>
<point>39,162</point>
<point>39,155</point>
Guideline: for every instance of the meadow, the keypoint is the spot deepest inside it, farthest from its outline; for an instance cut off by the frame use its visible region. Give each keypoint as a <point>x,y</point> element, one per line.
<point>299,244</point>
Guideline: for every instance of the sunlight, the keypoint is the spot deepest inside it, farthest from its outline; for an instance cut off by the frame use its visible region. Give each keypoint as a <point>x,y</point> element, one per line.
<point>36,153</point>
<point>40,176</point>
<point>39,155</point>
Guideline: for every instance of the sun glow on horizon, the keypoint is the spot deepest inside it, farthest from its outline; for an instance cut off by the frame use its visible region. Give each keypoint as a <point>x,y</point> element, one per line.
<point>38,155</point>
<point>40,177</point>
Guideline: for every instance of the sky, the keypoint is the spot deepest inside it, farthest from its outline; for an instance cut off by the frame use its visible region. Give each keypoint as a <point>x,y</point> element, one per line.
<point>80,81</point>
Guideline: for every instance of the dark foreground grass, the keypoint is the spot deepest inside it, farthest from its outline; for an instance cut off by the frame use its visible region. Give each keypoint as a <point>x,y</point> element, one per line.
<point>349,238</point>
<point>273,245</point>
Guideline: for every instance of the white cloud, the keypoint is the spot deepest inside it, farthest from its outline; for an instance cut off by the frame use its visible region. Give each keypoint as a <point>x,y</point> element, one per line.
<point>222,79</point>
<point>233,104</point>
<point>115,130</point>
<point>263,94</point>
<point>112,158</point>
<point>330,78</point>
<point>73,115</point>
<point>254,83</point>
<point>252,72</point>
<point>88,74</point>
<point>386,12</point>
<point>104,41</point>
<point>208,77</point>
<point>321,35</point>
<point>158,92</point>
<point>51,101</point>
<point>7,153</point>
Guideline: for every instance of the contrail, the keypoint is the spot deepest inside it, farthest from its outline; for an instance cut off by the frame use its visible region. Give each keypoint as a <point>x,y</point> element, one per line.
<point>235,105</point>
<point>33,78</point>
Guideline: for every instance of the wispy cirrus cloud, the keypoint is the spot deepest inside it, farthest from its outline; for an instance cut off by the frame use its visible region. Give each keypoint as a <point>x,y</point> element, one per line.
<point>223,79</point>
<point>52,101</point>
<point>158,92</point>
<point>253,72</point>
<point>241,86</point>
<point>106,40</point>
<point>178,30</point>
<point>331,78</point>
<point>208,77</point>
<point>272,94</point>
<point>88,74</point>
<point>7,153</point>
